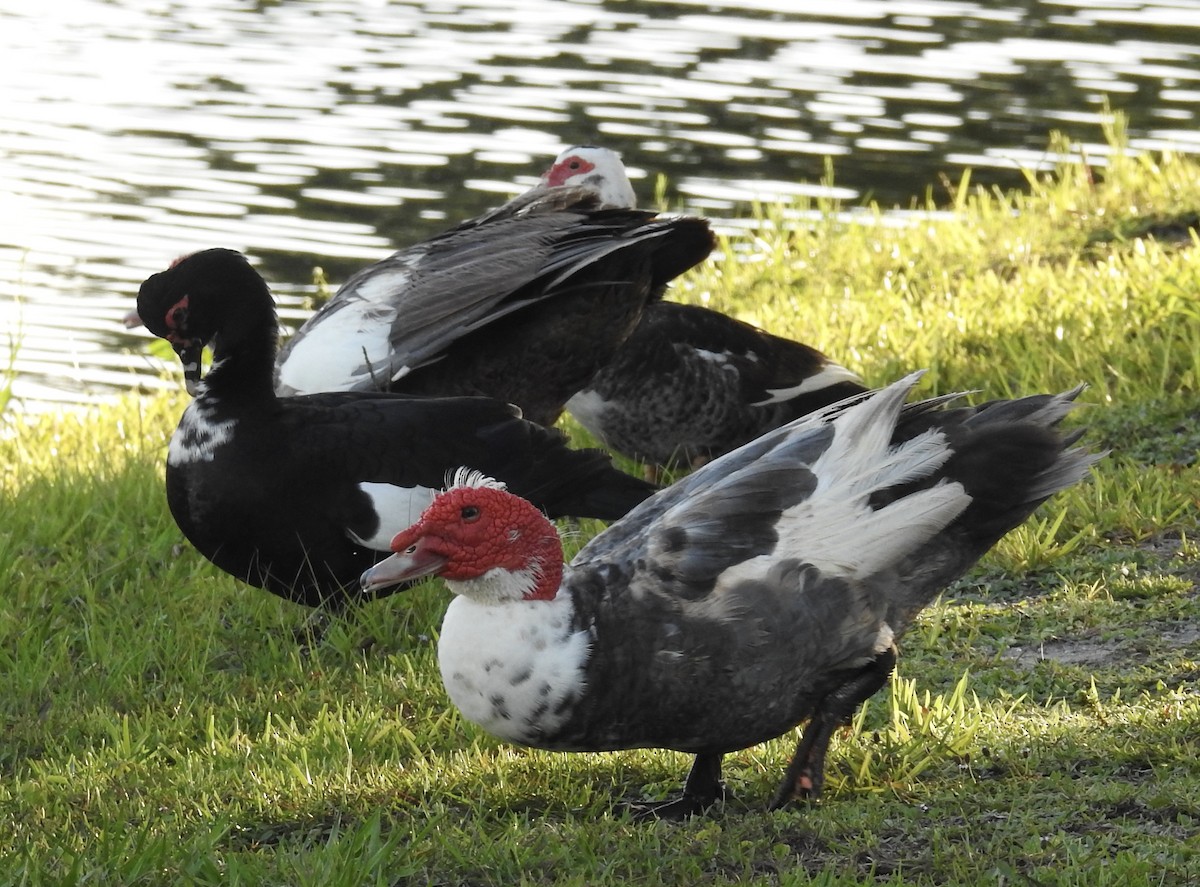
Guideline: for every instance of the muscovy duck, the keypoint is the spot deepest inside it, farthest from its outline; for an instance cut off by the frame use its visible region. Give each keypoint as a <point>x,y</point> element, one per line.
<point>690,384</point>
<point>299,495</point>
<point>766,589</point>
<point>524,304</point>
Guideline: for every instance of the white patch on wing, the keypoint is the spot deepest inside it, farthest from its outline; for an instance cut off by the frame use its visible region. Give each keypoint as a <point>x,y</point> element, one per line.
<point>718,357</point>
<point>847,538</point>
<point>513,668</point>
<point>350,345</point>
<point>379,289</point>
<point>835,529</point>
<point>831,374</point>
<point>197,436</point>
<point>398,509</point>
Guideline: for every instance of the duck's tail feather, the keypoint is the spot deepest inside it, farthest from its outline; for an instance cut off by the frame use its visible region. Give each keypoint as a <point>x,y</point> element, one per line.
<point>1009,456</point>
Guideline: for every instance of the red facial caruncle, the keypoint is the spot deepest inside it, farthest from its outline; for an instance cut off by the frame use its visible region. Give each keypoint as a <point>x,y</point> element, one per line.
<point>478,529</point>
<point>567,168</point>
<point>176,321</point>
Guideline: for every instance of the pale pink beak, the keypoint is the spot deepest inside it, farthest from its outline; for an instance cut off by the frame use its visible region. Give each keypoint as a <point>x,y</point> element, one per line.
<point>415,562</point>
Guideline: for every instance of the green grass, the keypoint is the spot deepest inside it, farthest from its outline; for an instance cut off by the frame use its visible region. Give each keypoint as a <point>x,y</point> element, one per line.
<point>162,725</point>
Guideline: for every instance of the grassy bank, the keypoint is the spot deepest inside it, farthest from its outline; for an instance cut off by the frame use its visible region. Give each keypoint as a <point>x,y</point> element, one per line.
<point>161,724</point>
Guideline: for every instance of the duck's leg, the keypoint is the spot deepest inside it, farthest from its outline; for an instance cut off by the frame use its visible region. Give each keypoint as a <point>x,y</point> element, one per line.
<point>805,775</point>
<point>702,789</point>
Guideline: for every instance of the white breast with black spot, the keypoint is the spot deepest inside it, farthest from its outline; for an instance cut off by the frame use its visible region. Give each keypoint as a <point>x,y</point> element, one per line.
<point>514,668</point>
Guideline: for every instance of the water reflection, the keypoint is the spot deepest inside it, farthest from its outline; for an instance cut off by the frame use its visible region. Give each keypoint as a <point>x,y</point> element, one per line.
<point>323,132</point>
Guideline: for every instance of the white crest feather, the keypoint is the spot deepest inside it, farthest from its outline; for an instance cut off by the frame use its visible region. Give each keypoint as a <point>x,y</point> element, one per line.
<point>470,477</point>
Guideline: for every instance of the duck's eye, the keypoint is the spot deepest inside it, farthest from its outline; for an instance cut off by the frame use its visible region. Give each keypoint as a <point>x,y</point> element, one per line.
<point>575,164</point>
<point>412,549</point>
<point>177,317</point>
<point>469,513</point>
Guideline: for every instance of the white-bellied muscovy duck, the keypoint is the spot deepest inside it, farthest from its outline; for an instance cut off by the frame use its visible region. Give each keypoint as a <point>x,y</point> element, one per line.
<point>523,304</point>
<point>767,589</point>
<point>690,384</point>
<point>299,495</point>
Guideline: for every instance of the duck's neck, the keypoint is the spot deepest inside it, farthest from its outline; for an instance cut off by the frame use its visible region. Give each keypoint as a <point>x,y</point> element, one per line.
<point>243,365</point>
<point>544,567</point>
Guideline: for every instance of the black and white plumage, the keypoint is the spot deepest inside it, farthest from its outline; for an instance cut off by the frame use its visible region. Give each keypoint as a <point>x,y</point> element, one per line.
<point>524,303</point>
<point>299,495</point>
<point>690,384</point>
<point>767,589</point>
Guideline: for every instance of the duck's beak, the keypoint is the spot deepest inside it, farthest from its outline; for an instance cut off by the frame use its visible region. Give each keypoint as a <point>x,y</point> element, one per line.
<point>415,562</point>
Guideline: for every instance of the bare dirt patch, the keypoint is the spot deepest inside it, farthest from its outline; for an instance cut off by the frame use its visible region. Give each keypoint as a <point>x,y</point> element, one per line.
<point>1090,651</point>
<point>1067,651</point>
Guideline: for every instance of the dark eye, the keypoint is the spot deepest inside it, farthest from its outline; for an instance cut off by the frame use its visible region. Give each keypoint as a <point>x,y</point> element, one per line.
<point>469,513</point>
<point>575,164</point>
<point>177,318</point>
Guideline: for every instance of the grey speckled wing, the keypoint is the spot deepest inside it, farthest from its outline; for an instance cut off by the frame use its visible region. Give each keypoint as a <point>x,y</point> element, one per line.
<point>729,507</point>
<point>421,298</point>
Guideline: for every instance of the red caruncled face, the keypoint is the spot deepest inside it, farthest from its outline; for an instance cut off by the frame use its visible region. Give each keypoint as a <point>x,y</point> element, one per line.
<point>566,168</point>
<point>478,529</point>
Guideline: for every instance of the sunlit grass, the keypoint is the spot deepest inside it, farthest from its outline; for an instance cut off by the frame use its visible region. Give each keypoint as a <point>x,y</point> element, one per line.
<point>162,724</point>
<point>8,371</point>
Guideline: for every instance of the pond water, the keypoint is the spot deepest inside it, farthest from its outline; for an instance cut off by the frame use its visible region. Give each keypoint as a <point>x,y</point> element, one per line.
<point>329,132</point>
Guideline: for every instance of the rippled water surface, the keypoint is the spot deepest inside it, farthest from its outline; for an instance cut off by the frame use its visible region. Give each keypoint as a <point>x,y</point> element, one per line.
<point>328,132</point>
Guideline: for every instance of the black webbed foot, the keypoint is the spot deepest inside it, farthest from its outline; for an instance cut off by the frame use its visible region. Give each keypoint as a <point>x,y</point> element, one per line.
<point>683,807</point>
<point>702,790</point>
